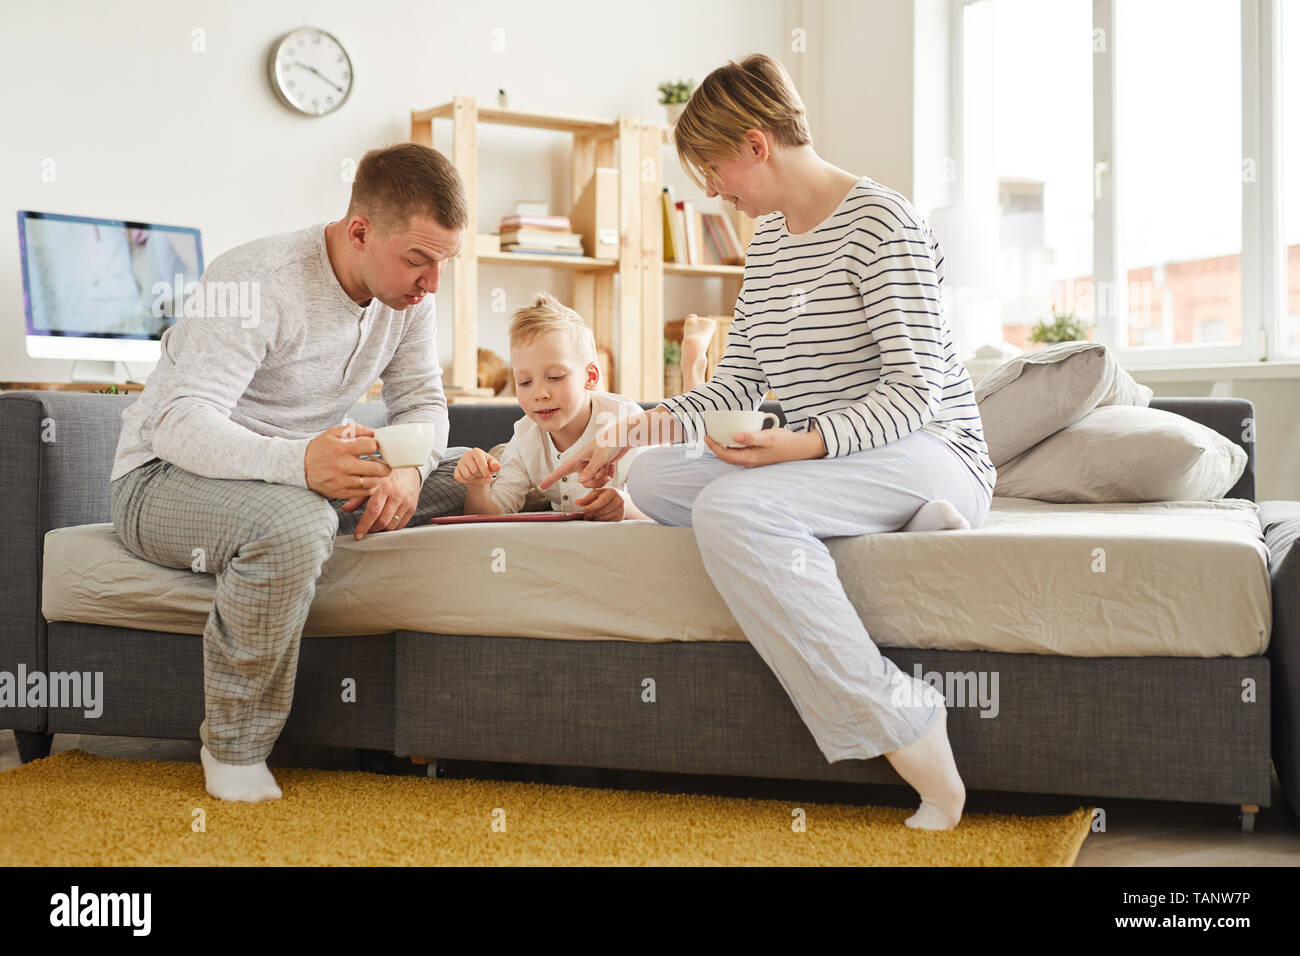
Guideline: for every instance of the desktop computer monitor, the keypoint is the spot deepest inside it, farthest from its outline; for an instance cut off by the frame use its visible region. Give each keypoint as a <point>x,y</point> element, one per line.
<point>102,291</point>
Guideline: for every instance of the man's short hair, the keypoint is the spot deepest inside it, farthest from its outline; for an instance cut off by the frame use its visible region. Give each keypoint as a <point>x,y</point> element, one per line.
<point>549,314</point>
<point>394,183</point>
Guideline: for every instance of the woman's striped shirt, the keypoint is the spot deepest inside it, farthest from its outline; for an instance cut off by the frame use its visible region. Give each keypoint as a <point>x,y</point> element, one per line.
<point>845,324</point>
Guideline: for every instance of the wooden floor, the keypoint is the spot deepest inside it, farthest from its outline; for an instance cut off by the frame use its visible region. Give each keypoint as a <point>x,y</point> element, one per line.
<point>1138,832</point>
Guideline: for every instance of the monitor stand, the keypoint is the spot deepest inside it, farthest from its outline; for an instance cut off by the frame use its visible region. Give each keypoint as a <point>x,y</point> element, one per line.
<point>88,370</point>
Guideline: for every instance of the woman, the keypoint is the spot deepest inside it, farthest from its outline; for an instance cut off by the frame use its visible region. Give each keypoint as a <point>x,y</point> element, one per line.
<point>839,313</point>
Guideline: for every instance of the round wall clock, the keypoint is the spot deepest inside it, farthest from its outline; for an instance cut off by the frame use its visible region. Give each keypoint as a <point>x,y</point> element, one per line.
<point>310,71</point>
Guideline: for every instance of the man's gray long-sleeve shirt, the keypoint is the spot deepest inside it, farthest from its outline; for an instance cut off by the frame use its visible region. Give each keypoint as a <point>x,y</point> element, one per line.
<point>269,353</point>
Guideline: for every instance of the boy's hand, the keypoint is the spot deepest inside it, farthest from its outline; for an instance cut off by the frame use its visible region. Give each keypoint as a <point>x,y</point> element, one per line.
<point>476,467</point>
<point>603,504</point>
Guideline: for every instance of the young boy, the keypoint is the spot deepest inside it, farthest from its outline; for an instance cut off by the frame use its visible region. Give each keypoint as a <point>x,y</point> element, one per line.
<point>553,360</point>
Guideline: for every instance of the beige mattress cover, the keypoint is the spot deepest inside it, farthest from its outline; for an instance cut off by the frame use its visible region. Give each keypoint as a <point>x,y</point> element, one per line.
<point>1184,579</point>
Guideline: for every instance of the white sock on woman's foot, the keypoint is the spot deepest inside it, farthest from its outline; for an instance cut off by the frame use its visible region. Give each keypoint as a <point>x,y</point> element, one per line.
<point>250,784</point>
<point>937,515</point>
<point>928,765</point>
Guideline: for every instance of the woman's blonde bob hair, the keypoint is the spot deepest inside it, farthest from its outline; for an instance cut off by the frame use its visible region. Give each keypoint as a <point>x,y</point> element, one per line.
<point>756,93</point>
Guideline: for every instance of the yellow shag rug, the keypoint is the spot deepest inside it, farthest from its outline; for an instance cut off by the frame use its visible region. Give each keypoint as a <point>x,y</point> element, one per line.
<point>76,809</point>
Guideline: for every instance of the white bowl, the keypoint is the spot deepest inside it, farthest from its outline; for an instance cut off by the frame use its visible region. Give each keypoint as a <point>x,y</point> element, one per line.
<point>721,426</point>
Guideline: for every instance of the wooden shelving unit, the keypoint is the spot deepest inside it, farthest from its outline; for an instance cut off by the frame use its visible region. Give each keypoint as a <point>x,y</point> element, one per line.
<point>581,263</point>
<point>621,298</point>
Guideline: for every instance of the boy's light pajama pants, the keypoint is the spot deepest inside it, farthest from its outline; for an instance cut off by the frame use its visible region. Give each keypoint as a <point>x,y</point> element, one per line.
<point>755,526</point>
<point>266,544</point>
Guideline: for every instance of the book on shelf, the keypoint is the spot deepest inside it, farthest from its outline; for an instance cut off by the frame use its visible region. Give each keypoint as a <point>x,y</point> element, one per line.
<point>711,252</point>
<point>693,237</point>
<point>686,214</point>
<point>526,236</point>
<point>726,243</point>
<point>735,247</point>
<point>674,234</point>
<point>543,251</point>
<point>553,223</point>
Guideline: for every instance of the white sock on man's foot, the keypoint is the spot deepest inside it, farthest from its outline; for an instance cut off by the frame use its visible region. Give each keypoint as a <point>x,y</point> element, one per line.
<point>928,765</point>
<point>249,784</point>
<point>929,817</point>
<point>937,515</point>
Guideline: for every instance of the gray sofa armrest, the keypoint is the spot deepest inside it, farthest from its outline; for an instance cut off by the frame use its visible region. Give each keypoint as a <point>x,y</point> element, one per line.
<point>59,453</point>
<point>1281,523</point>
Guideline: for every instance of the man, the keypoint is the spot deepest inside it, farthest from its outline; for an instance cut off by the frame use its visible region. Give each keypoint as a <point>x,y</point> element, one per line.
<point>237,460</point>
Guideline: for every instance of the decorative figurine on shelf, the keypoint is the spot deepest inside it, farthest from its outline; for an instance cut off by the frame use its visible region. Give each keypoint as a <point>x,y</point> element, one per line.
<point>492,371</point>
<point>503,100</point>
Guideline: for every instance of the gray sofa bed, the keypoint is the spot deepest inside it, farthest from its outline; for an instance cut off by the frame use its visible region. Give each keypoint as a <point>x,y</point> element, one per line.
<point>1182,728</point>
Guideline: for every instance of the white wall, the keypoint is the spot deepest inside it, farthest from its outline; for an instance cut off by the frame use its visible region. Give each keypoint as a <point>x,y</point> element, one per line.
<point>139,126</point>
<point>862,113</point>
<point>933,155</point>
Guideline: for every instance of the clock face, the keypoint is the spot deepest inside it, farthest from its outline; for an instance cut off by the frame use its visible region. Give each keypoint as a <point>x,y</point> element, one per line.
<point>310,71</point>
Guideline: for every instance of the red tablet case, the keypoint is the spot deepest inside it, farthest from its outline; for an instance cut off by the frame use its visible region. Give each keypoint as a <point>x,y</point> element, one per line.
<point>524,516</point>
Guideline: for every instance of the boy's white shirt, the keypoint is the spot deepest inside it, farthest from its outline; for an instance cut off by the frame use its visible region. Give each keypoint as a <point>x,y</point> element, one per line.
<point>531,456</point>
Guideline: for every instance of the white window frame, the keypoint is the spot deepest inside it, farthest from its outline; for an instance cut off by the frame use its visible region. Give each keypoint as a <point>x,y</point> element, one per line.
<point>1263,252</point>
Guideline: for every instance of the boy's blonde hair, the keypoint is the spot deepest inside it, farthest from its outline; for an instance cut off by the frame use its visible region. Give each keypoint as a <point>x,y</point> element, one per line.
<point>756,93</point>
<point>549,314</point>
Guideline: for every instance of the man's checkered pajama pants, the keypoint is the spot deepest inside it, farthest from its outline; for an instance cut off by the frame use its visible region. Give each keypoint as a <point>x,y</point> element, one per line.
<point>266,544</point>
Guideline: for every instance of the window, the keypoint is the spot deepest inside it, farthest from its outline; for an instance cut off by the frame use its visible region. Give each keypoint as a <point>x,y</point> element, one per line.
<point>1178,127</point>
<point>1129,151</point>
<point>1029,155</point>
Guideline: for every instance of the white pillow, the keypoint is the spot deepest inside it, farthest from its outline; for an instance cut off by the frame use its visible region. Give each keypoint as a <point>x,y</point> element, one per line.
<point>1034,395</point>
<point>1126,453</point>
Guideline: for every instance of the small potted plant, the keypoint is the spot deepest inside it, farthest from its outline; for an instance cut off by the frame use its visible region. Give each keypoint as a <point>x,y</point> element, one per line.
<point>674,96</point>
<point>672,367</point>
<point>1063,327</point>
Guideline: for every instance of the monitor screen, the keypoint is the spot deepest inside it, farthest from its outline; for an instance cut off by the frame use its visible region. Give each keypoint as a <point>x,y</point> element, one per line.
<point>104,278</point>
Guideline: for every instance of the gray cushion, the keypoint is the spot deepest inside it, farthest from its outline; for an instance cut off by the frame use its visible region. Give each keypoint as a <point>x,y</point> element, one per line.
<point>1034,395</point>
<point>1126,453</point>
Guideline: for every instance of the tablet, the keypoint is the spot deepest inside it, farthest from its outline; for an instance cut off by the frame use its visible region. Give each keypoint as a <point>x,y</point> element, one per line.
<point>523,516</point>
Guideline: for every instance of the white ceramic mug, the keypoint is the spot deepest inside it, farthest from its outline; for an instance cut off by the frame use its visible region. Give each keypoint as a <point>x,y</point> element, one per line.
<point>407,444</point>
<point>722,426</point>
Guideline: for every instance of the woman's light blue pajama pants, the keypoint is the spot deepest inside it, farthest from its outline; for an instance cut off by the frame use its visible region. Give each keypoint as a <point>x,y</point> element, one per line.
<point>759,532</point>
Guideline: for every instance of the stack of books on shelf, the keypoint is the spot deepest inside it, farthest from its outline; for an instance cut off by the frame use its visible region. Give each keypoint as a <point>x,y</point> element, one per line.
<point>698,238</point>
<point>530,229</point>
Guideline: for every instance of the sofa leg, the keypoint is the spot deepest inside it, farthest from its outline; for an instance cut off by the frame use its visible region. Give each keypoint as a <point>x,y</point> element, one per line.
<point>383,762</point>
<point>1247,817</point>
<point>33,745</point>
